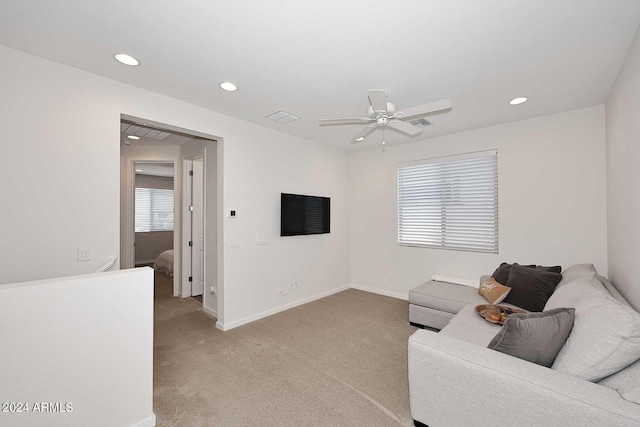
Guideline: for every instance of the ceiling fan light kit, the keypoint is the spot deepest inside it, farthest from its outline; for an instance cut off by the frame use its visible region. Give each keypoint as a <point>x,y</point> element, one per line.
<point>382,114</point>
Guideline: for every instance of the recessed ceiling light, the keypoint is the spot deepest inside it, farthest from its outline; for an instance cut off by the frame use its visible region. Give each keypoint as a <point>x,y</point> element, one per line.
<point>519,100</point>
<point>228,86</point>
<point>138,170</point>
<point>126,59</point>
<point>133,137</point>
<point>360,139</point>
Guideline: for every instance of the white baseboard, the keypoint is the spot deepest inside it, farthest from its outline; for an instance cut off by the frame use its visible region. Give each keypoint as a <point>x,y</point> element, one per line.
<point>380,292</point>
<point>150,421</point>
<point>230,325</point>
<point>209,312</point>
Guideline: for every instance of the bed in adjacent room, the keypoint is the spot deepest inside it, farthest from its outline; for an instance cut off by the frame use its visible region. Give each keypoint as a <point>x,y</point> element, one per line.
<point>164,263</point>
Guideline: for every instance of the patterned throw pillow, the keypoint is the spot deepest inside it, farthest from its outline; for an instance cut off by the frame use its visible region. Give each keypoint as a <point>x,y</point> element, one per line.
<point>493,291</point>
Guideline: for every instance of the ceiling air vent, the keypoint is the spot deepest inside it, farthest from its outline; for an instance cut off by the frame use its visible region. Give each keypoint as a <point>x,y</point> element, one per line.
<point>143,131</point>
<point>282,117</point>
<point>423,123</point>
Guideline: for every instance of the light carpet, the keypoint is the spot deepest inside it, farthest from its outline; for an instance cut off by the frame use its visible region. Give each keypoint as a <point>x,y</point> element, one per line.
<point>338,361</point>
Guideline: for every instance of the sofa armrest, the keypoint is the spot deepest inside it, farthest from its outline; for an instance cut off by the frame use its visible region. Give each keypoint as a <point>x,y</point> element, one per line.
<point>455,383</point>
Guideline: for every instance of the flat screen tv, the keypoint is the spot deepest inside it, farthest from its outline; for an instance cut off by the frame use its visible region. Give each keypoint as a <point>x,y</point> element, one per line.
<point>303,215</point>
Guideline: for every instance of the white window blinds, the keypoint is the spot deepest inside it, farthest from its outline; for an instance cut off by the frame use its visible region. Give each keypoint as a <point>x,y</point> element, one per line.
<point>153,209</point>
<point>450,203</point>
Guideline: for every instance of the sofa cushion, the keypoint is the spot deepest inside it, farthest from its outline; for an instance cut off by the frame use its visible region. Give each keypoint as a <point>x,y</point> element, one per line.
<point>606,333</point>
<point>577,271</point>
<point>468,326</point>
<point>493,291</point>
<point>626,382</point>
<point>536,337</point>
<point>444,296</point>
<point>530,287</point>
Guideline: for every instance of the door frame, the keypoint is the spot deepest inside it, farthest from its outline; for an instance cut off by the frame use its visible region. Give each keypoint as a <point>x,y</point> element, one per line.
<point>214,169</point>
<point>187,226</point>
<point>127,248</point>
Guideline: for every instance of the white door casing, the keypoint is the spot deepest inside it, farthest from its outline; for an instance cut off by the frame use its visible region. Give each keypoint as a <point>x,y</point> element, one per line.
<point>197,228</point>
<point>187,169</point>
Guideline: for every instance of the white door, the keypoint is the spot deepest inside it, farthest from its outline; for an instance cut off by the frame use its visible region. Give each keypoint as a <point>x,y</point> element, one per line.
<point>197,228</point>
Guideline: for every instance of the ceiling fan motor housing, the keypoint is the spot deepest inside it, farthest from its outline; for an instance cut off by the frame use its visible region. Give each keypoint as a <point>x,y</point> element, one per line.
<point>391,110</point>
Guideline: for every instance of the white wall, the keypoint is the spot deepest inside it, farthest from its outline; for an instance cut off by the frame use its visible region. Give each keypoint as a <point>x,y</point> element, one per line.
<point>150,244</point>
<point>259,173</point>
<point>63,124</point>
<point>623,177</point>
<point>551,201</point>
<point>83,340</point>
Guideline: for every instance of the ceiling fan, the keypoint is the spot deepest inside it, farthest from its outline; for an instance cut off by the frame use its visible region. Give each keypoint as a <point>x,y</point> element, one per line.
<point>383,114</point>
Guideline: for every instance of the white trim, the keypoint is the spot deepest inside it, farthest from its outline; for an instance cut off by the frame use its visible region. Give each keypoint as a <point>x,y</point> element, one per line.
<point>267,313</point>
<point>209,312</point>
<point>107,266</point>
<point>184,291</point>
<point>150,421</point>
<point>380,292</point>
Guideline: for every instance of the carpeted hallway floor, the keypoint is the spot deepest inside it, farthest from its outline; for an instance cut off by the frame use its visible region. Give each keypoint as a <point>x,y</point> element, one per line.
<point>338,361</point>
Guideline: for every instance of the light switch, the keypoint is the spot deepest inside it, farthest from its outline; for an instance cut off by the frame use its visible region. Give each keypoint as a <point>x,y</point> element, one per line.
<point>234,242</point>
<point>84,253</point>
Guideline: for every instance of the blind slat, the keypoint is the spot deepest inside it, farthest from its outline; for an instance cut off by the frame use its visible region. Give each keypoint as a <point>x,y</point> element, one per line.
<point>450,205</point>
<point>153,209</point>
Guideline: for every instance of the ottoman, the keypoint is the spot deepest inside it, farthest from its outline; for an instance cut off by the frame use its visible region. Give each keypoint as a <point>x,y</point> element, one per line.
<point>433,303</point>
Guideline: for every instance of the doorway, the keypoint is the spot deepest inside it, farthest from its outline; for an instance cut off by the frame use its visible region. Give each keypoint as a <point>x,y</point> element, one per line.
<point>163,145</point>
<point>153,209</point>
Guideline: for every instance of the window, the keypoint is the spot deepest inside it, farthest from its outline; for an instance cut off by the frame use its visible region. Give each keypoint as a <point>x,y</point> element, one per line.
<point>154,209</point>
<point>450,203</point>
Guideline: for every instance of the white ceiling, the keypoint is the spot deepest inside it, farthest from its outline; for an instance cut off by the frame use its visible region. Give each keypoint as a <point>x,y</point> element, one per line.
<point>318,59</point>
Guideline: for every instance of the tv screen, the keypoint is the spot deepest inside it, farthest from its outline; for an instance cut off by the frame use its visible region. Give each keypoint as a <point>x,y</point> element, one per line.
<point>302,215</point>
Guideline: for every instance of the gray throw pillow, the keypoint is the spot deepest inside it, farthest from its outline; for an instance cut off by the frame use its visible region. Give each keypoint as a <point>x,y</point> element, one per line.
<point>536,337</point>
<point>530,287</point>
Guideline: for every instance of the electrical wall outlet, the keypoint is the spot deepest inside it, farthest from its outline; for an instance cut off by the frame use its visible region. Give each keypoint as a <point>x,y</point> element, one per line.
<point>234,241</point>
<point>84,253</point>
<point>295,284</point>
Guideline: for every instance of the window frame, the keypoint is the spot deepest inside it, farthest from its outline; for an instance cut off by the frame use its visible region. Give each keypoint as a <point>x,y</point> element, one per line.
<point>473,229</point>
<point>153,224</point>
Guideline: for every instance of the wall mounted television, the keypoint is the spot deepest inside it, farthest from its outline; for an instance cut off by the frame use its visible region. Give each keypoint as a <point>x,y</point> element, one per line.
<point>303,215</point>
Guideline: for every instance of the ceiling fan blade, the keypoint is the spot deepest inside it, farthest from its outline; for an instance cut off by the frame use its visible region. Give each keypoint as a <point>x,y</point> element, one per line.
<point>404,127</point>
<point>425,109</point>
<point>363,133</point>
<point>378,100</point>
<point>353,120</point>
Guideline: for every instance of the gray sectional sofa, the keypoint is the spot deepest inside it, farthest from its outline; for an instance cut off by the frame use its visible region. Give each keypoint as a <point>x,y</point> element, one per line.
<point>455,380</point>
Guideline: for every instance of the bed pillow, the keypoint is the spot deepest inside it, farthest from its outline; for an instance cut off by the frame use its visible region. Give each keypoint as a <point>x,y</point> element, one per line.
<point>530,287</point>
<point>536,337</point>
